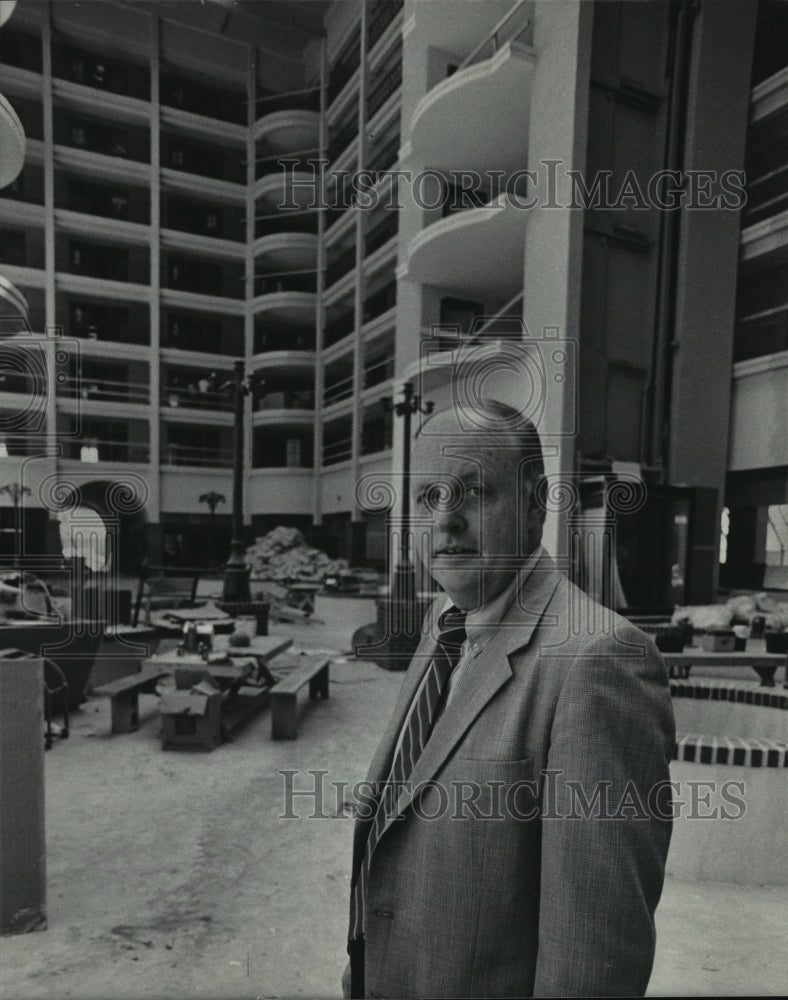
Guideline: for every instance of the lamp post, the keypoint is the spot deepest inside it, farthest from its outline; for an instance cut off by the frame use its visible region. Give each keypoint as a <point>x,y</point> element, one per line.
<point>213,499</point>
<point>236,570</point>
<point>403,586</point>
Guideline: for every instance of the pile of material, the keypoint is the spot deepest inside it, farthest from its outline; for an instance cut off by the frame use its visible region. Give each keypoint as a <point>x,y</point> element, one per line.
<point>284,556</point>
<point>736,611</point>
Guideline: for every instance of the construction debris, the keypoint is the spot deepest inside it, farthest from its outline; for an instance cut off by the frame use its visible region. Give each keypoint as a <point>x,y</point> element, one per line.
<point>283,556</point>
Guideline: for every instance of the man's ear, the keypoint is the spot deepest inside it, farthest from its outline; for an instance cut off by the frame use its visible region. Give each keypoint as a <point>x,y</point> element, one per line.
<point>534,513</point>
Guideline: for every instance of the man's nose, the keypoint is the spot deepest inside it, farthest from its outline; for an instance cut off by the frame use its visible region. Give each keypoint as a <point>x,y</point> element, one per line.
<point>449,521</point>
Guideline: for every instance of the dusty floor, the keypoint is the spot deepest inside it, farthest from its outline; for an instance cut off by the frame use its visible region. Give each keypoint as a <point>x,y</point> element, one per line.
<point>173,875</point>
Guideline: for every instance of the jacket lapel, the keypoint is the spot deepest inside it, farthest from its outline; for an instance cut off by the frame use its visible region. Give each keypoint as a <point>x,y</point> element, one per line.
<point>490,671</point>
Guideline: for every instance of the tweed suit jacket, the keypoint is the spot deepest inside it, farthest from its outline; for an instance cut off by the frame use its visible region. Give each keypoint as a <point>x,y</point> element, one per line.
<point>527,856</point>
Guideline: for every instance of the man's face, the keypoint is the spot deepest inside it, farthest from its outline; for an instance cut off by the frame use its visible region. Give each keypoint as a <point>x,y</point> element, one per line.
<point>478,519</point>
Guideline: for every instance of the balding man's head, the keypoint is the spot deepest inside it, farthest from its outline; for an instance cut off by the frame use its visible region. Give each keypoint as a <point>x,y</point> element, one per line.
<point>477,487</point>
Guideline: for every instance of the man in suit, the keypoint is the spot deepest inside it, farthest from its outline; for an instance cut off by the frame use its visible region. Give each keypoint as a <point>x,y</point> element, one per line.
<point>523,808</point>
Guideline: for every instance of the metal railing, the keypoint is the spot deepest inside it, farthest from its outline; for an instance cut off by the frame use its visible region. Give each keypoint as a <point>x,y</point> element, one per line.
<point>194,398</point>
<point>497,36</point>
<point>380,302</point>
<point>179,454</point>
<point>338,329</point>
<point>379,372</point>
<point>337,451</point>
<point>337,391</point>
<point>381,234</point>
<point>105,390</point>
<point>292,281</point>
<point>339,267</point>
<point>383,13</point>
<point>287,400</point>
<point>266,341</point>
<point>383,90</point>
<point>90,450</point>
<point>305,99</point>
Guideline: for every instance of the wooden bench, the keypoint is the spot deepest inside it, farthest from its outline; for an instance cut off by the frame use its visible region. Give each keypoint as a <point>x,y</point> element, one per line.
<point>174,586</point>
<point>124,694</point>
<point>312,670</point>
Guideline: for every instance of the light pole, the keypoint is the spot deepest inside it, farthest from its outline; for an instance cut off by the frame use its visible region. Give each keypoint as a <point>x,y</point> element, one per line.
<point>236,570</point>
<point>213,499</point>
<point>403,584</point>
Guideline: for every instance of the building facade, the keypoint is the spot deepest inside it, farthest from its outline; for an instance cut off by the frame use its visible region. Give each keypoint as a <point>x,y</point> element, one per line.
<point>579,203</point>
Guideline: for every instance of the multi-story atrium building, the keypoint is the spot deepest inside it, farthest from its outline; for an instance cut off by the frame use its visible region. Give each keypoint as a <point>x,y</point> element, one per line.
<point>586,199</point>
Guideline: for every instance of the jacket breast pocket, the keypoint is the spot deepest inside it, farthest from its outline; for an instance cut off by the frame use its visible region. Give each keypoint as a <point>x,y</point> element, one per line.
<point>489,789</point>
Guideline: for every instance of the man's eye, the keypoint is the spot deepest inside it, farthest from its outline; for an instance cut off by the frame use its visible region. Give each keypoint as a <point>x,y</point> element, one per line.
<point>474,491</point>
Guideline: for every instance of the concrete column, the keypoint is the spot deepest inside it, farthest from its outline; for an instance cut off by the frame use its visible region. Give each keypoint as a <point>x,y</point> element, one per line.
<point>22,835</point>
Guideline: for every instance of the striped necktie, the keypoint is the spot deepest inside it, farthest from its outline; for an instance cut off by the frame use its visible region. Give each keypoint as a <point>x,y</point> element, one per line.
<point>416,730</point>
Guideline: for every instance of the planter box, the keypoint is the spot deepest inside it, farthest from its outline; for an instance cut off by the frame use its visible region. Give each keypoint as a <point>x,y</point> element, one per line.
<point>718,643</point>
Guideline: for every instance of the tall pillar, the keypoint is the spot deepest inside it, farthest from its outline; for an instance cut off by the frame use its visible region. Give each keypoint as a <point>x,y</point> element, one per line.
<point>22,835</point>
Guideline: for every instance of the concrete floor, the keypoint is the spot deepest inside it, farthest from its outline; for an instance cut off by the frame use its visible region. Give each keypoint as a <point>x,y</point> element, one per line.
<point>173,874</point>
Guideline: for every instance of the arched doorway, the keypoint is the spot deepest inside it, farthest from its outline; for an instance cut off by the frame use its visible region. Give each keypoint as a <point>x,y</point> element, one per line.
<point>104,523</point>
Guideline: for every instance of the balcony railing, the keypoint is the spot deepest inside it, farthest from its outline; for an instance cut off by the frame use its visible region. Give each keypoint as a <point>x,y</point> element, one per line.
<point>340,266</point>
<point>201,99</point>
<point>386,156</point>
<point>345,66</point>
<point>339,329</point>
<point>307,99</point>
<point>100,73</point>
<point>280,340</point>
<point>287,400</point>
<point>337,451</point>
<point>383,13</point>
<point>383,90</point>
<point>195,455</point>
<point>337,391</point>
<point>267,165</point>
<point>379,372</point>
<point>380,302</point>
<point>376,437</point>
<point>194,398</point>
<point>340,139</point>
<point>92,450</point>
<point>516,25</point>
<point>105,140</point>
<point>767,194</point>
<point>382,233</point>
<point>285,281</point>
<point>105,390</point>
<point>295,221</point>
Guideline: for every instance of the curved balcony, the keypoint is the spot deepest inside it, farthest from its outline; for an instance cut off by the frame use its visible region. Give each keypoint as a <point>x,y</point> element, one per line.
<point>292,308</point>
<point>285,409</point>
<point>448,252</point>
<point>479,117</point>
<point>289,190</point>
<point>287,251</point>
<point>10,296</point>
<point>12,142</point>
<point>451,26</point>
<point>294,361</point>
<point>284,131</point>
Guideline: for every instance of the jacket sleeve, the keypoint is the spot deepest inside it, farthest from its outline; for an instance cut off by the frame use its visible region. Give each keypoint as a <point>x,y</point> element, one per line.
<point>605,822</point>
